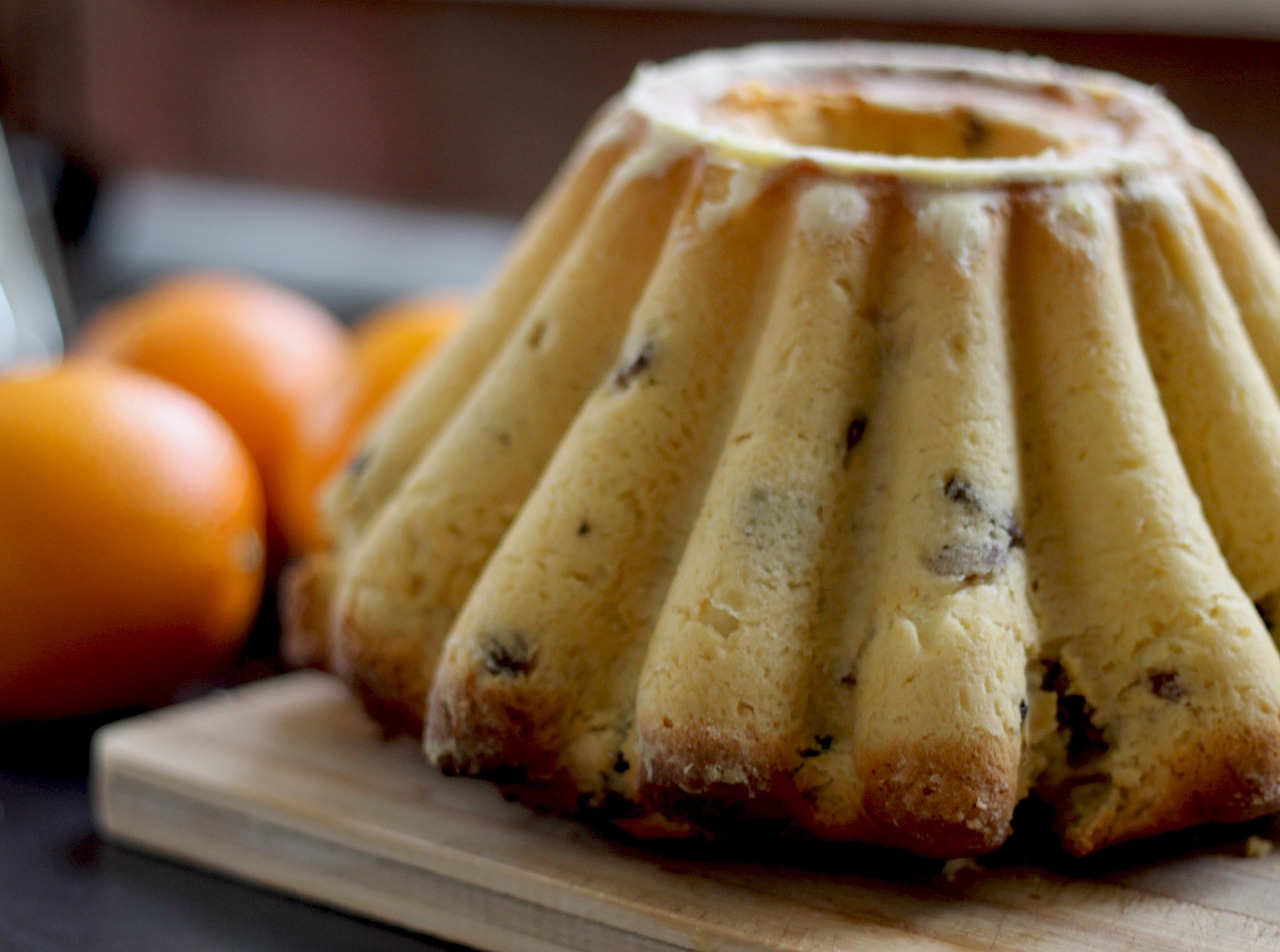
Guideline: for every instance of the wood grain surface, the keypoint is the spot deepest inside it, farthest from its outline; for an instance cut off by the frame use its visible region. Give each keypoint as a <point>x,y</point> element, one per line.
<point>285,783</point>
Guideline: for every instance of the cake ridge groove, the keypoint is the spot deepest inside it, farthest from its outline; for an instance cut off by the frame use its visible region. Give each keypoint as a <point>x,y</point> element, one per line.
<point>423,404</point>
<point>1221,408</point>
<point>691,362</point>
<point>758,505</point>
<point>455,504</point>
<point>928,614</point>
<point>1244,247</point>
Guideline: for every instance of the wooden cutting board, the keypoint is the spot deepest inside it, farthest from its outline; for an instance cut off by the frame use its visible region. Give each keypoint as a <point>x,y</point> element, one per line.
<point>286,783</point>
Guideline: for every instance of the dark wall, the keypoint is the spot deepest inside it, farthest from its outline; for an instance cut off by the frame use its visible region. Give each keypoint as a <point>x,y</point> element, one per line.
<point>471,104</point>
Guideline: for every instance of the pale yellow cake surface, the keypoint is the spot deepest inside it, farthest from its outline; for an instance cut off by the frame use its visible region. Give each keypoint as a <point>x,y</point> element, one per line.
<point>859,440</point>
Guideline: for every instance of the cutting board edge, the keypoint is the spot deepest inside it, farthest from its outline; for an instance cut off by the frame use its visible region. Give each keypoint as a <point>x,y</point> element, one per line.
<point>136,812</point>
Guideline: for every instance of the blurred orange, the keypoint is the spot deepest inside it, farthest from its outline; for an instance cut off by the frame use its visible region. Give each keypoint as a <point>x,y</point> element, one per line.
<point>258,354</point>
<point>131,541</point>
<point>386,345</point>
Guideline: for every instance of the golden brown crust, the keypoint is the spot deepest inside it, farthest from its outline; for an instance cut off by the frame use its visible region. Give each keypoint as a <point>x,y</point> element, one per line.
<point>943,798</point>
<point>478,726</point>
<point>305,590</point>
<point>716,779</point>
<point>386,675</point>
<point>383,680</point>
<point>379,679</point>
<point>655,826</point>
<point>1228,778</point>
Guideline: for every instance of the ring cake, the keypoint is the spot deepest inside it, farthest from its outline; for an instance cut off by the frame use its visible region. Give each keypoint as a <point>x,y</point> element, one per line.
<point>858,440</point>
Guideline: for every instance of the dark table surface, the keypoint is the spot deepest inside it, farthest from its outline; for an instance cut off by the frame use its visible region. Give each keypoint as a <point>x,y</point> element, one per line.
<point>63,888</point>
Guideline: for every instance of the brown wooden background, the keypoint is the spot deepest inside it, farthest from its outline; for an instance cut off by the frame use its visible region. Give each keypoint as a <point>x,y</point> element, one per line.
<point>469,105</point>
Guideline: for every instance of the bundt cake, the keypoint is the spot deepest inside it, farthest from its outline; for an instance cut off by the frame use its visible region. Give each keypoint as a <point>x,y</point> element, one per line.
<point>857,440</point>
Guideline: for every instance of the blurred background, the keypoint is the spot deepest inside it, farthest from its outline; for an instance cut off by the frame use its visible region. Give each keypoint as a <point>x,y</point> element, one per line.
<point>360,150</point>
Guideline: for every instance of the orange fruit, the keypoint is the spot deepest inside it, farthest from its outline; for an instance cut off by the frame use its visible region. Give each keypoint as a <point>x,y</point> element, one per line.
<point>258,354</point>
<point>131,541</point>
<point>385,346</point>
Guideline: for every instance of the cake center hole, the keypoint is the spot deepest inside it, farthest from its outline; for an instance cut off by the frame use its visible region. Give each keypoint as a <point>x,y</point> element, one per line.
<point>922,118</point>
